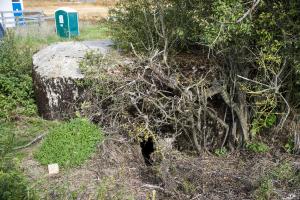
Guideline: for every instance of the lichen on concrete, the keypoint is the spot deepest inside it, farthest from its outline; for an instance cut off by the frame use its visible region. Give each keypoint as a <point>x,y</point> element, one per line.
<point>55,72</point>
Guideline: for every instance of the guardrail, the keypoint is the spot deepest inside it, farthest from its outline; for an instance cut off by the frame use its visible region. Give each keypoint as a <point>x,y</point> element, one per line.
<point>18,18</point>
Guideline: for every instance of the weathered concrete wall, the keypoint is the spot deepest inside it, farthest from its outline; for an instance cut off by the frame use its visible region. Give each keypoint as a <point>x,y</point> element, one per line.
<point>55,73</point>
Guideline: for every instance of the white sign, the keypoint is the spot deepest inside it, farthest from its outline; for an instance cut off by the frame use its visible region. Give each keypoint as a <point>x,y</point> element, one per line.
<point>61,19</point>
<point>53,169</point>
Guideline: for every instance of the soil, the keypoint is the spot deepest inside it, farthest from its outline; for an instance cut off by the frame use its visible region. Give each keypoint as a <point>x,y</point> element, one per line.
<point>118,171</point>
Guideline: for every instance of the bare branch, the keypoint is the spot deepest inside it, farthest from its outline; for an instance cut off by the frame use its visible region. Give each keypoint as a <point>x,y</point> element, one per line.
<point>255,4</point>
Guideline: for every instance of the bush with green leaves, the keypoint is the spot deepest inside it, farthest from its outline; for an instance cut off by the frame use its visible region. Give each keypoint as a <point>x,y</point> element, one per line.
<point>16,93</point>
<point>70,143</point>
<point>256,45</point>
<point>149,25</point>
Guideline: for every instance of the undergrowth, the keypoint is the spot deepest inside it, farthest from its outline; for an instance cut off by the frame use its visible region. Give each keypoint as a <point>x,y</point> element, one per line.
<point>16,94</point>
<point>284,175</point>
<point>70,143</point>
<point>13,184</point>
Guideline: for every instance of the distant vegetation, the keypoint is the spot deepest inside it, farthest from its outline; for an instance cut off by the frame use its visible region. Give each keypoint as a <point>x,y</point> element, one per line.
<point>242,70</point>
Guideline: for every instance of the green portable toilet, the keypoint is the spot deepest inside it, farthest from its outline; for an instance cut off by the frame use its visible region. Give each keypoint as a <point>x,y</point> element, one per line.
<point>66,22</point>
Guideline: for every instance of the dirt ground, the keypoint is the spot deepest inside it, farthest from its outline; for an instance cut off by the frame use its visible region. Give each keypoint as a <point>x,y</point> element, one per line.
<point>117,171</point>
<point>87,11</point>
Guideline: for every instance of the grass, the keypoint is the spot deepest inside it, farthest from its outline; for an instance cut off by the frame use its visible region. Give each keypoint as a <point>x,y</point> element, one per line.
<point>93,31</point>
<point>37,37</point>
<point>24,131</point>
<point>70,143</point>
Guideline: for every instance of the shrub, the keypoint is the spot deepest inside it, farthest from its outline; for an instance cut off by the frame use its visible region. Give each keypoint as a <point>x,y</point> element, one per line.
<point>16,94</point>
<point>147,24</point>
<point>243,36</point>
<point>70,143</point>
<point>13,186</point>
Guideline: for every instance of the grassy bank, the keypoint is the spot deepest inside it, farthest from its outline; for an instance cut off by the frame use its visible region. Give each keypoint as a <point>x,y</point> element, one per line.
<point>36,37</point>
<point>19,121</point>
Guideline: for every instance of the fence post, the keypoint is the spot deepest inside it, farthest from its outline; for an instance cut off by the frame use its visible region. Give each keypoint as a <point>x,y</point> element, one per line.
<point>17,21</point>
<point>3,20</point>
<point>39,19</point>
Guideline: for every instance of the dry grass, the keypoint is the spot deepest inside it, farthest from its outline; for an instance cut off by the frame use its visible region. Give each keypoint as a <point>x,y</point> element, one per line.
<point>117,171</point>
<point>65,2</point>
<point>87,11</point>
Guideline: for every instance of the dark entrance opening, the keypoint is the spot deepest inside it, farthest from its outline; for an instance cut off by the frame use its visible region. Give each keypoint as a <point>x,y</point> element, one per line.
<point>147,146</point>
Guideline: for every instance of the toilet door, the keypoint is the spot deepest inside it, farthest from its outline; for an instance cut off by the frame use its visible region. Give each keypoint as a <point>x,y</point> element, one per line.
<point>17,6</point>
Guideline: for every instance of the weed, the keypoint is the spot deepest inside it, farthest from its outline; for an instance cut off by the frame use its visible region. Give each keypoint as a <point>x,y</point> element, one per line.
<point>284,174</point>
<point>188,187</point>
<point>289,146</point>
<point>109,188</point>
<point>258,147</point>
<point>24,131</point>
<point>265,190</point>
<point>70,143</point>
<point>221,152</point>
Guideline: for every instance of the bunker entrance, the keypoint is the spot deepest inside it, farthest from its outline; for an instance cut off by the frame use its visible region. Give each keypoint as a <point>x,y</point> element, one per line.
<point>147,148</point>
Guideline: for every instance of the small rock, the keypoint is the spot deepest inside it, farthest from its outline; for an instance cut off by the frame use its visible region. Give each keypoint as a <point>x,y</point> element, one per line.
<point>290,197</point>
<point>296,166</point>
<point>53,169</point>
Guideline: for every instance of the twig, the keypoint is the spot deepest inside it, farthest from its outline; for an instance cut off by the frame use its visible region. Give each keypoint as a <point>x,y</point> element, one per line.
<point>248,12</point>
<point>153,187</point>
<point>35,140</point>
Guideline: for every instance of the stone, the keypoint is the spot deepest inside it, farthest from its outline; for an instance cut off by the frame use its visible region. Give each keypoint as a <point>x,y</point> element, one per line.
<point>55,73</point>
<point>53,169</point>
